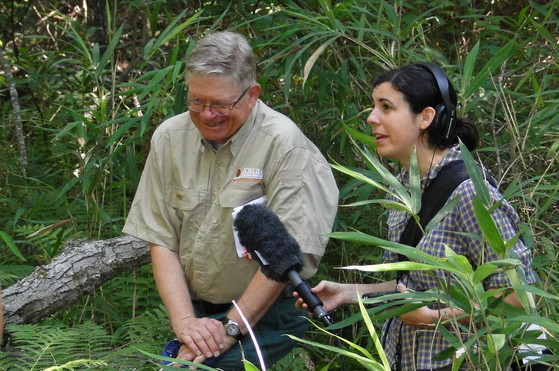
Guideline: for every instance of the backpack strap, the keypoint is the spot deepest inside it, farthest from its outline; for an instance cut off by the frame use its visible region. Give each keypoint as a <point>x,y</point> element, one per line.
<point>434,198</point>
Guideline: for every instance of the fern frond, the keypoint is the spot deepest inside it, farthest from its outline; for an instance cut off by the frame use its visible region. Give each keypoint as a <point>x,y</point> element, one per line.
<point>78,364</point>
<point>36,347</point>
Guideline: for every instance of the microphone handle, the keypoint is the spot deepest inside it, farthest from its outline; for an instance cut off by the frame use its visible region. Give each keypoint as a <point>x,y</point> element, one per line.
<point>311,299</point>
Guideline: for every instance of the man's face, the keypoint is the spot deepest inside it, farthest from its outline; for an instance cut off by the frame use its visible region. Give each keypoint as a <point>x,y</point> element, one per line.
<point>216,90</point>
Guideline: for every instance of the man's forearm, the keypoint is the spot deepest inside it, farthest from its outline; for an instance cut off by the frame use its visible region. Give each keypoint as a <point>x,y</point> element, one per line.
<point>171,283</point>
<point>257,299</point>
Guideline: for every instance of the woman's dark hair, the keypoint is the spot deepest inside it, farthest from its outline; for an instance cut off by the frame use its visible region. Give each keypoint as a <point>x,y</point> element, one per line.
<point>420,89</point>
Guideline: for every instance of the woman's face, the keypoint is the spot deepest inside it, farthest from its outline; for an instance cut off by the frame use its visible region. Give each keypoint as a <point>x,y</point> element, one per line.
<point>397,130</point>
<point>210,90</point>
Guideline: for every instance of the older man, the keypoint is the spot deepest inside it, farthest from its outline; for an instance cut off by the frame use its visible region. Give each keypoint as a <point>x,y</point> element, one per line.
<point>229,149</point>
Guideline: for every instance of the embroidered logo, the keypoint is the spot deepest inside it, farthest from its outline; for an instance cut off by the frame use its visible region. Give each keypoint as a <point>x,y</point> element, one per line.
<point>249,174</point>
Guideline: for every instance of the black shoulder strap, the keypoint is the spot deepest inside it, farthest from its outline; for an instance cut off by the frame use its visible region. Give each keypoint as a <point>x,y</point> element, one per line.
<point>433,199</point>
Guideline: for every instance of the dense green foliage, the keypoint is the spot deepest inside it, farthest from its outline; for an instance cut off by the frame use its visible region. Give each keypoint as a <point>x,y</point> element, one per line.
<point>93,83</point>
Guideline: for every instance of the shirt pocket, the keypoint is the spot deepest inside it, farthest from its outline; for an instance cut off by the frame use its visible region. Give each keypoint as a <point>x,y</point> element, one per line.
<point>188,206</point>
<point>182,198</point>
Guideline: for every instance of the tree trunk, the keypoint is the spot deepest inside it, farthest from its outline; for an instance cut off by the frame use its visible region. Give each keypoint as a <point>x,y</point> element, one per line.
<point>14,98</point>
<point>96,17</point>
<point>78,270</point>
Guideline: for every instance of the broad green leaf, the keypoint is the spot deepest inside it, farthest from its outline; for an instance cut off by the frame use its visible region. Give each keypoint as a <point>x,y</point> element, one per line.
<point>388,267</point>
<point>489,228</point>
<point>484,271</point>
<point>511,242</point>
<point>489,68</point>
<point>526,299</point>
<point>11,245</point>
<point>67,187</point>
<point>460,262</point>
<point>546,323</point>
<point>410,252</point>
<point>122,130</point>
<point>385,203</point>
<point>367,363</point>
<point>68,128</point>
<point>326,6</point>
<point>493,292</point>
<point>469,65</point>
<point>95,51</point>
<point>155,81</point>
<point>249,366</point>
<point>401,192</point>
<point>373,333</point>
<point>476,175</point>
<point>177,71</point>
<point>536,291</point>
<point>179,361</point>
<point>169,33</point>
<point>357,135</point>
<point>109,52</point>
<point>359,176</point>
<point>449,206</point>
<point>80,44</point>
<point>312,59</point>
<point>461,296</point>
<point>495,342</point>
<point>506,263</point>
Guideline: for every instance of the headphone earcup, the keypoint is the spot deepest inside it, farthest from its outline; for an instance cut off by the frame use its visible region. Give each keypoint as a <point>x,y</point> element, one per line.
<point>445,117</point>
<point>441,119</point>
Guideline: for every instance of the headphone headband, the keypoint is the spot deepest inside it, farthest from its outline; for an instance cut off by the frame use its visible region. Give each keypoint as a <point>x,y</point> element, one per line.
<point>448,112</point>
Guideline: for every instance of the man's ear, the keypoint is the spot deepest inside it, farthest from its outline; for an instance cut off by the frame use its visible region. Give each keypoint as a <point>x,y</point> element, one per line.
<point>426,117</point>
<point>254,94</point>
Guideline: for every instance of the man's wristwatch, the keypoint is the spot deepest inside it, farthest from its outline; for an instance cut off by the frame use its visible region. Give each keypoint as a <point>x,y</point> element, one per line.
<point>232,329</point>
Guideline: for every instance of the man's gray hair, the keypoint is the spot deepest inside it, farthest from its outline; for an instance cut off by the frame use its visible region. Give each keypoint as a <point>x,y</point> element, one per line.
<point>227,54</point>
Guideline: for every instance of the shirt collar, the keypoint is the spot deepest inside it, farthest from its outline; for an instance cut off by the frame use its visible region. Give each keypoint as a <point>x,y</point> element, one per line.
<point>240,137</point>
<point>452,154</point>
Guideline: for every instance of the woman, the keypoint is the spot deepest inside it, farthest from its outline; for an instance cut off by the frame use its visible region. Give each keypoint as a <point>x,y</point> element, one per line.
<point>415,110</point>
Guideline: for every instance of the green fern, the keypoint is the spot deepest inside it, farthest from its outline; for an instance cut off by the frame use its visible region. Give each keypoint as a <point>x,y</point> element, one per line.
<point>148,332</point>
<point>36,347</point>
<point>79,364</point>
<point>52,346</point>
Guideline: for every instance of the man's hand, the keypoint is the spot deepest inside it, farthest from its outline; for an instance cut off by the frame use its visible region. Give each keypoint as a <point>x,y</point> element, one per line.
<point>202,337</point>
<point>187,354</point>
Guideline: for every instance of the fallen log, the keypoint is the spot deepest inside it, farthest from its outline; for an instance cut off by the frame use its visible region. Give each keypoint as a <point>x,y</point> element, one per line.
<point>80,268</point>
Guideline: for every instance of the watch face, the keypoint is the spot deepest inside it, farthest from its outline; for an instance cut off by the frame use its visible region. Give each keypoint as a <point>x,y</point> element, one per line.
<point>232,329</point>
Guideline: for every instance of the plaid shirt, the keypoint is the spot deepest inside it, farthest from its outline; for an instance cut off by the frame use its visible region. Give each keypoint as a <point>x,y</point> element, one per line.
<point>414,345</point>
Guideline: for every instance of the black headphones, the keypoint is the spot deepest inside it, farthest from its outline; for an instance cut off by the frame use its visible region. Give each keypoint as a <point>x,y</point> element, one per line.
<point>445,117</point>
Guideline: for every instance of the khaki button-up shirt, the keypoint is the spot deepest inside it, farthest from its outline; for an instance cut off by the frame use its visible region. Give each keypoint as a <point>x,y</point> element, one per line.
<point>188,190</point>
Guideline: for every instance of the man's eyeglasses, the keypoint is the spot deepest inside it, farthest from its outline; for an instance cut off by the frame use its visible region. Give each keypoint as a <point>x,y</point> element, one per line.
<point>217,109</point>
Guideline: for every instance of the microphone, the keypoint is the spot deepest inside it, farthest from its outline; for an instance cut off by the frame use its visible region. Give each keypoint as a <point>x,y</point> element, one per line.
<point>263,234</point>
